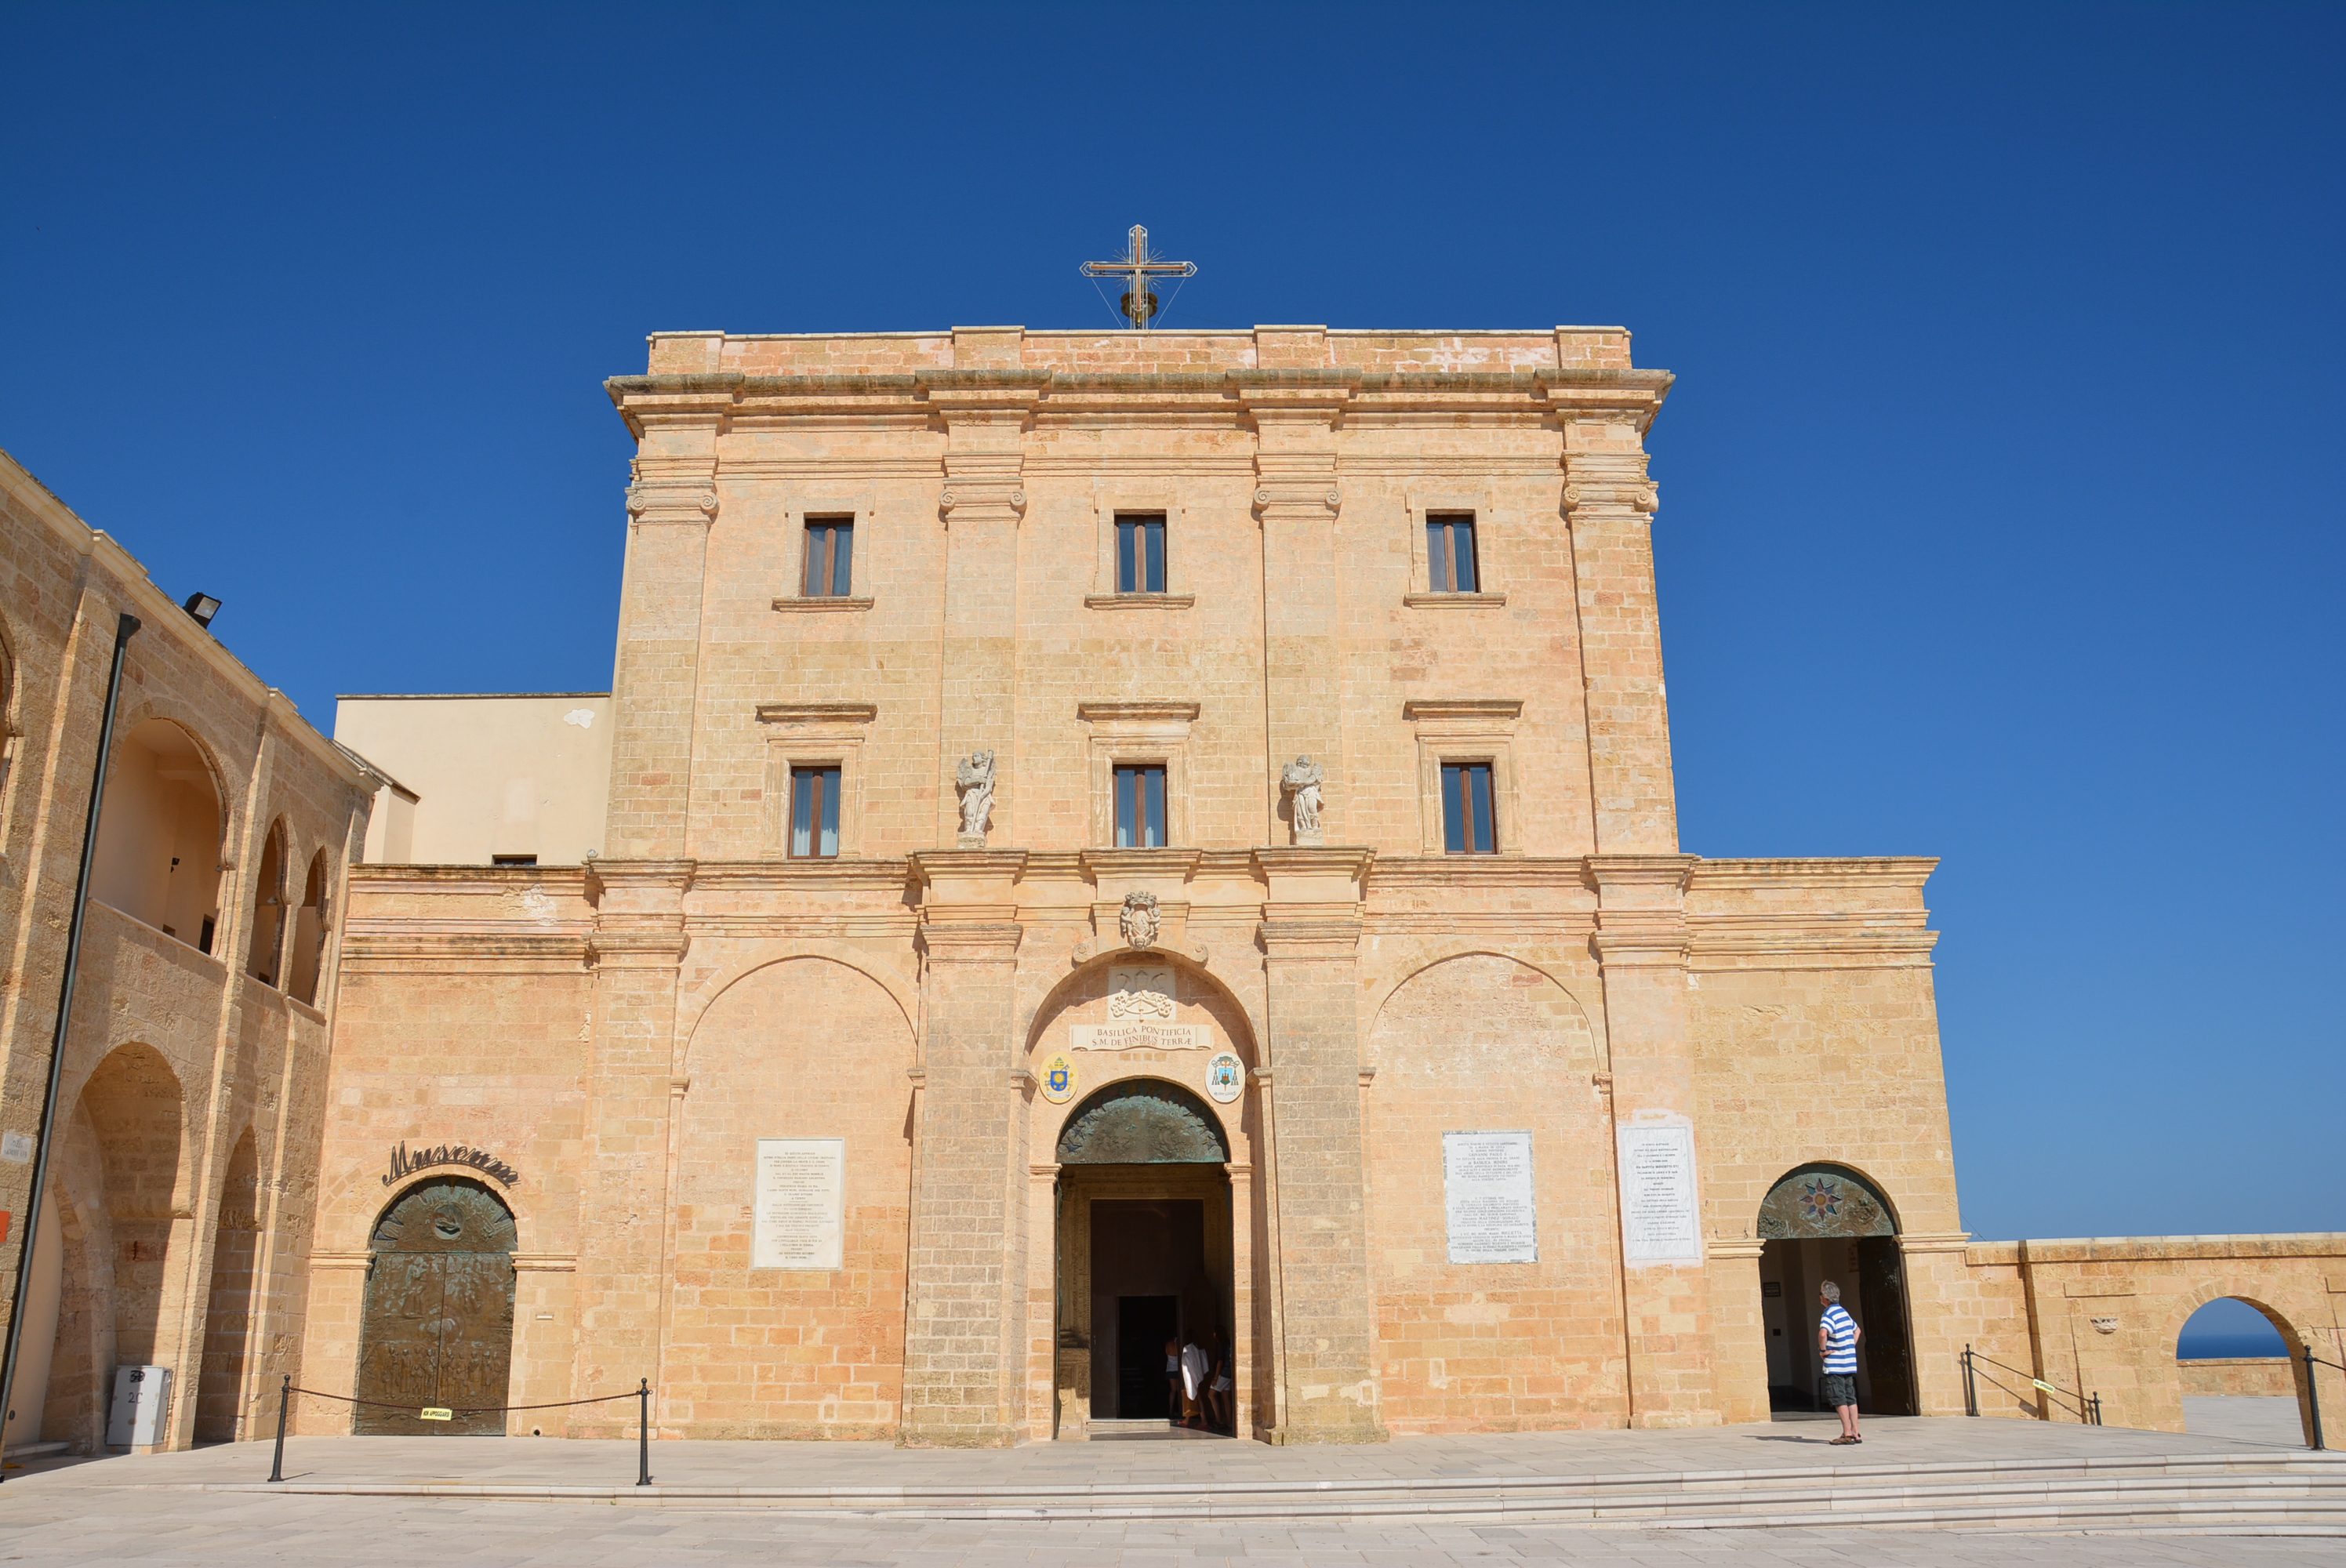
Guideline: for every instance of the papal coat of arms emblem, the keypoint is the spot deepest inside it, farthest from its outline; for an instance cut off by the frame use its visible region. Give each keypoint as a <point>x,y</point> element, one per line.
<point>1139,922</point>
<point>1058,1080</point>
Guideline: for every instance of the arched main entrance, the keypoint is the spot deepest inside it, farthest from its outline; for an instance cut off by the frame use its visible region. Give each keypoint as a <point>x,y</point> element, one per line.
<point>1823,1223</point>
<point>1146,1246</point>
<point>438,1329</point>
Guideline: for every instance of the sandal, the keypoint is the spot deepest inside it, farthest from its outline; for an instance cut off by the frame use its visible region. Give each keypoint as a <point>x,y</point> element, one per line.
<point>1843,1441</point>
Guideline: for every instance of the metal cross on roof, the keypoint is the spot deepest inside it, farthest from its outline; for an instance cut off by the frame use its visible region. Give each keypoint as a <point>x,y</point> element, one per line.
<point>1138,265</point>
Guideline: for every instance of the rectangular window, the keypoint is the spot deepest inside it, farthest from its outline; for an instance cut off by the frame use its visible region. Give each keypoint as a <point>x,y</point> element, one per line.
<point>1466,826</point>
<point>1141,553</point>
<point>830,551</point>
<point>513,860</point>
<point>1140,807</point>
<point>814,811</point>
<point>1450,552</point>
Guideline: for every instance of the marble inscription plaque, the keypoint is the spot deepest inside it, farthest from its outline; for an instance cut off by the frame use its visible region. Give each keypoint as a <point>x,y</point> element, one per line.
<point>1136,1037</point>
<point>1486,1195</point>
<point>800,1213</point>
<point>1658,1222</point>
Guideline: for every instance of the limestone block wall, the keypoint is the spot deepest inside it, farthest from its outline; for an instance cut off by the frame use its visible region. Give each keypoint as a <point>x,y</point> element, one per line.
<point>2102,1315</point>
<point>465,1006</point>
<point>2266,1376</point>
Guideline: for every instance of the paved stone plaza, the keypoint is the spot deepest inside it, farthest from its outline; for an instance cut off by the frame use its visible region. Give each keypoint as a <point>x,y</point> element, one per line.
<point>501,1501</point>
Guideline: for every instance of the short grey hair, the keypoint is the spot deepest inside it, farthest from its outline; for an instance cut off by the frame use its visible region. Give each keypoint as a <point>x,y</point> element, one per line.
<point>1829,1291</point>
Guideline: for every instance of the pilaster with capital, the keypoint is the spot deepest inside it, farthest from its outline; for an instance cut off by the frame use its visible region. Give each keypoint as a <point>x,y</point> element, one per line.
<point>637,946</point>
<point>1641,945</point>
<point>671,508</point>
<point>985,414</point>
<point>1328,1389</point>
<point>1297,497</point>
<point>1608,504</point>
<point>965,1325</point>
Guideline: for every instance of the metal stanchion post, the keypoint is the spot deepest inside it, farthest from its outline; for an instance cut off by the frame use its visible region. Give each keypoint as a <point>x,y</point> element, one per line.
<point>285,1400</point>
<point>644,1432</point>
<point>1971,1386</point>
<point>2313,1398</point>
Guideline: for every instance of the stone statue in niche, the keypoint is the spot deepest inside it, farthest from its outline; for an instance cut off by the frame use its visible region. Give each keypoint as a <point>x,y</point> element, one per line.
<point>975,778</point>
<point>1139,923</point>
<point>1302,779</point>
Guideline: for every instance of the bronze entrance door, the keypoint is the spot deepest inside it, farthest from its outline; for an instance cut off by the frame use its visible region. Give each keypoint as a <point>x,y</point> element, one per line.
<point>438,1330</point>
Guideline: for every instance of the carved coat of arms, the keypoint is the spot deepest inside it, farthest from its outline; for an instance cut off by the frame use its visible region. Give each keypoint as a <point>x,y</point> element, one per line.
<point>1139,923</point>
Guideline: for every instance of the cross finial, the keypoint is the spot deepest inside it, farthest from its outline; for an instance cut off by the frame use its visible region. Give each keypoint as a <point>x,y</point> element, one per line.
<point>1138,265</point>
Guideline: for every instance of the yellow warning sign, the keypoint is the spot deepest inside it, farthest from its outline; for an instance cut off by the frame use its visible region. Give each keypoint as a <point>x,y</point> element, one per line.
<point>435,1413</point>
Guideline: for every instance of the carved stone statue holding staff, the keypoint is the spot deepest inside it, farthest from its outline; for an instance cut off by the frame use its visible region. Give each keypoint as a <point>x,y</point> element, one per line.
<point>975,777</point>
<point>1302,780</point>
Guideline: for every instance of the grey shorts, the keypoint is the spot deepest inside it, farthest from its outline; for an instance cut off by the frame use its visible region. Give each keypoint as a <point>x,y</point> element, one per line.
<point>1839,1388</point>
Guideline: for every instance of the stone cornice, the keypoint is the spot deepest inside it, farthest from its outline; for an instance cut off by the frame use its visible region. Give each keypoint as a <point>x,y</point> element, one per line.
<point>1315,390</point>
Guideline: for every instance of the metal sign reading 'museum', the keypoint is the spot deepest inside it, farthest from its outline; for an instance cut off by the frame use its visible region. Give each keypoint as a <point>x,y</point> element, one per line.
<point>404,1163</point>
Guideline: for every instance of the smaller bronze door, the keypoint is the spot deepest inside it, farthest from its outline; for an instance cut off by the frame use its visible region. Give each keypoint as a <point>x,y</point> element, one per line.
<point>1888,1360</point>
<point>438,1330</point>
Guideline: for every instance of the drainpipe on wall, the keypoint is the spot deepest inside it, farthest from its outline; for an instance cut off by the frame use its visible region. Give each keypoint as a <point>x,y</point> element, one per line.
<point>125,628</point>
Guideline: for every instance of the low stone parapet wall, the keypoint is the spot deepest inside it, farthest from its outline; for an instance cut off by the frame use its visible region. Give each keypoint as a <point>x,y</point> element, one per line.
<point>2237,1375</point>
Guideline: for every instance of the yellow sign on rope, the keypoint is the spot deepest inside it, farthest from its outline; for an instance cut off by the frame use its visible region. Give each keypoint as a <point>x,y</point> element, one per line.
<point>436,1414</point>
<point>2038,1381</point>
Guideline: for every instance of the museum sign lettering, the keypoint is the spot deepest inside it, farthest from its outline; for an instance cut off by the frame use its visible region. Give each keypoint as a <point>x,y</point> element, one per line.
<point>404,1163</point>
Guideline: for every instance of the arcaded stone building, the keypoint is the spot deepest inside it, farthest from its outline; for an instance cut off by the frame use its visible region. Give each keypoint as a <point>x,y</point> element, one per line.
<point>1110,837</point>
<point>182,1175</point>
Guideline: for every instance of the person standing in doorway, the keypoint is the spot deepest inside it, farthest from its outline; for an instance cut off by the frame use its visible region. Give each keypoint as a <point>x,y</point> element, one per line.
<point>1173,1378</point>
<point>1195,1374</point>
<point>1837,1338</point>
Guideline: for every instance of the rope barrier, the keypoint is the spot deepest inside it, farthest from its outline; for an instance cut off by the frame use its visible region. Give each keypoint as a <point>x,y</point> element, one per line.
<point>641,1394</point>
<point>463,1409</point>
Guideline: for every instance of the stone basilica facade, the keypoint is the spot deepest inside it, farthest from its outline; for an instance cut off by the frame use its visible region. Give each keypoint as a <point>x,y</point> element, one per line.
<point>1093,837</point>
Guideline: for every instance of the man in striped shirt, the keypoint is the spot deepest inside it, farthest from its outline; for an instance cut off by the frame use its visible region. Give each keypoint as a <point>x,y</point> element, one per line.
<point>1837,1338</point>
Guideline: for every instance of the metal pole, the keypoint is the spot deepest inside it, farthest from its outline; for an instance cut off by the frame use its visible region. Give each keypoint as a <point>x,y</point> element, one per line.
<point>644,1431</point>
<point>2313,1398</point>
<point>125,628</point>
<point>1971,1387</point>
<point>284,1399</point>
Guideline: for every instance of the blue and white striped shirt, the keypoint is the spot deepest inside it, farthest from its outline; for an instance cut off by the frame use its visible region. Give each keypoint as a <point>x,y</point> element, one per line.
<point>1840,1340</point>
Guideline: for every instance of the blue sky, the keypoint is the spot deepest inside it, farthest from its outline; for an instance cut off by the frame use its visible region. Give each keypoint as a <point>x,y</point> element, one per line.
<point>2001,497</point>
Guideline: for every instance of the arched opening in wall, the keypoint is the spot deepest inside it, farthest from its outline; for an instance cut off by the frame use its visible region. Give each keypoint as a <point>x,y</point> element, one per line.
<point>437,1329</point>
<point>1823,1223</point>
<point>137,1111</point>
<point>1146,1261</point>
<point>308,932</point>
<point>158,836</point>
<point>2234,1359</point>
<point>265,955</point>
<point>234,1300</point>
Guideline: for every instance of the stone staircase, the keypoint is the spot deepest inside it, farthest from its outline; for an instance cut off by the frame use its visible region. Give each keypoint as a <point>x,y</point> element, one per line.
<point>2268,1492</point>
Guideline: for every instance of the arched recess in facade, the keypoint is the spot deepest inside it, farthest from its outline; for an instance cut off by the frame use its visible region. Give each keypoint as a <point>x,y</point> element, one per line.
<point>438,1332</point>
<point>804,1047</point>
<point>107,1269</point>
<point>1823,1222</point>
<point>1480,1042</point>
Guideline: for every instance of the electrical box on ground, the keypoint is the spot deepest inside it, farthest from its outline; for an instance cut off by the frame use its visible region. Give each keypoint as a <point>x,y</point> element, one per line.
<point>142,1407</point>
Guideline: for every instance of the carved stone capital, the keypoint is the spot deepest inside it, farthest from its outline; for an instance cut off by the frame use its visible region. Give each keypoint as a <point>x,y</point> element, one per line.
<point>671,500</point>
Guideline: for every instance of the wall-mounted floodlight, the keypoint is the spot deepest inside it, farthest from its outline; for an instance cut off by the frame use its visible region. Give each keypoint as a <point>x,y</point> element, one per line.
<point>202,607</point>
